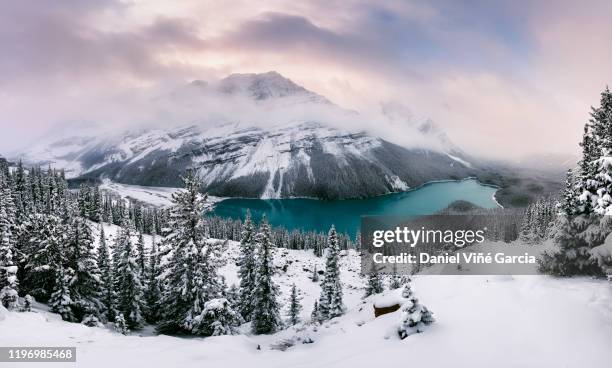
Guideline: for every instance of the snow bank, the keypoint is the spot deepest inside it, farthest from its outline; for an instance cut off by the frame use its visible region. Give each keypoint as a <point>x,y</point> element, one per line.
<point>388,299</point>
<point>524,321</point>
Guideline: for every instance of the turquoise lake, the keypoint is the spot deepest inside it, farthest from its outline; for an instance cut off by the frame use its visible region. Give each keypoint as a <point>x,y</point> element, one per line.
<point>312,214</point>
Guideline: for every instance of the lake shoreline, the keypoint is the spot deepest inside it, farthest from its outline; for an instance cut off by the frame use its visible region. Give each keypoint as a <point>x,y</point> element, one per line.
<point>346,214</point>
<point>221,199</point>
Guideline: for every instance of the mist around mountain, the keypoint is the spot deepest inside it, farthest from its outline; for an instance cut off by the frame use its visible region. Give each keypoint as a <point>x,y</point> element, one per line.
<point>261,135</point>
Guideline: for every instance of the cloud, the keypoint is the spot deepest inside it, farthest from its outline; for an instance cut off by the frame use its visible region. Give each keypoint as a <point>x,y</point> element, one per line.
<point>64,43</point>
<point>501,77</point>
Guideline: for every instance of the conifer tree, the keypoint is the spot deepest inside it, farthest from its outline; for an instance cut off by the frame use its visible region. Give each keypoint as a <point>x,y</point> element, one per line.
<point>106,278</point>
<point>8,269</point>
<point>265,318</point>
<point>45,256</point>
<point>374,285</point>
<point>85,286</point>
<point>315,275</point>
<point>218,318</point>
<point>153,291</point>
<point>141,255</point>
<point>190,277</point>
<point>395,282</point>
<point>128,285</point>
<point>247,269</point>
<point>415,316</point>
<point>294,306</point>
<point>9,284</point>
<point>570,197</point>
<point>60,301</point>
<point>314,315</point>
<point>595,165</point>
<point>330,301</point>
<point>573,255</point>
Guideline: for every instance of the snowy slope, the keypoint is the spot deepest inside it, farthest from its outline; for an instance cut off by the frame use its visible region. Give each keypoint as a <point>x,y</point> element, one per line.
<point>286,155</point>
<point>527,321</point>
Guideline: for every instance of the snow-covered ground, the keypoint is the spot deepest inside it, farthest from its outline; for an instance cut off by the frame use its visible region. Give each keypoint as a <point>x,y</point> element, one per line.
<point>155,196</point>
<point>482,321</point>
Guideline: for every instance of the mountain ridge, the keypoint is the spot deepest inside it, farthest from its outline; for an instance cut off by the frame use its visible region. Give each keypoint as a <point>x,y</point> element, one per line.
<point>295,158</point>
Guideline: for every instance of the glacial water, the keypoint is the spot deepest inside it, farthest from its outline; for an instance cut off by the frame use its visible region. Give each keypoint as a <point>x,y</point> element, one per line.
<point>312,214</point>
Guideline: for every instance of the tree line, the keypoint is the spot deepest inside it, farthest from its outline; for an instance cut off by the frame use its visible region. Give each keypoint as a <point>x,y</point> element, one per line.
<point>583,224</point>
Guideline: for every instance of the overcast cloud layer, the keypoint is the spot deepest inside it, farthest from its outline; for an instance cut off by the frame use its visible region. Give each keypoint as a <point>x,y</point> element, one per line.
<point>503,78</point>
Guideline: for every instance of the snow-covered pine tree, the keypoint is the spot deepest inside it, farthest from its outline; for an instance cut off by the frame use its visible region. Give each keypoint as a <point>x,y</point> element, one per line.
<point>396,281</point>
<point>569,198</point>
<point>45,255</point>
<point>588,169</point>
<point>415,316</point>
<point>60,300</point>
<point>602,185</point>
<point>218,318</point>
<point>128,286</point>
<point>265,317</point>
<point>106,278</point>
<point>330,301</point>
<point>577,232</point>
<point>527,225</point>
<point>596,162</point>
<point>294,306</point>
<point>573,255</point>
<point>315,275</point>
<point>153,291</point>
<point>189,276</point>
<point>7,203</point>
<point>247,263</point>
<point>96,205</point>
<point>207,285</point>
<point>141,257</point>
<point>375,284</point>
<point>20,190</point>
<point>84,200</point>
<point>85,286</point>
<point>314,315</point>
<point>9,297</point>
<point>8,266</point>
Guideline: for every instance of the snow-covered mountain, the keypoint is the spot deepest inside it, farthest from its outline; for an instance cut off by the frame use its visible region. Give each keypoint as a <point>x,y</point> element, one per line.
<point>277,160</point>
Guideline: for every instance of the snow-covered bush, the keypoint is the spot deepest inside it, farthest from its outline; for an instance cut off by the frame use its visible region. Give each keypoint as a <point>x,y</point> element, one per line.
<point>92,321</point>
<point>9,298</point>
<point>28,300</point>
<point>218,318</point>
<point>121,325</point>
<point>415,316</point>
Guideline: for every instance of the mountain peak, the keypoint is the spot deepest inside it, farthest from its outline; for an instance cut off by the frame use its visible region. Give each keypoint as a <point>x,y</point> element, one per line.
<point>264,86</point>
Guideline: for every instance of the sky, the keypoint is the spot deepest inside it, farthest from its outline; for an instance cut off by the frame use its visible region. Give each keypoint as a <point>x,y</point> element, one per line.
<point>503,78</point>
